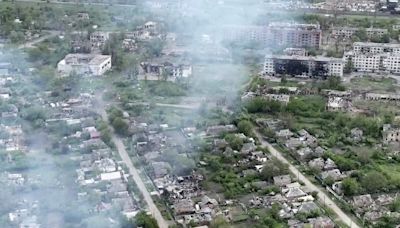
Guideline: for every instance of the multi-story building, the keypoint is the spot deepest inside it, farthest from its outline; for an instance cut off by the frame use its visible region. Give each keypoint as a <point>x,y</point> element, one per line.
<point>84,64</point>
<point>390,134</point>
<point>348,32</point>
<point>163,70</point>
<point>295,35</point>
<point>278,34</point>
<point>375,48</point>
<point>376,32</point>
<point>98,39</point>
<point>311,66</point>
<point>343,32</point>
<point>366,63</point>
<point>375,57</point>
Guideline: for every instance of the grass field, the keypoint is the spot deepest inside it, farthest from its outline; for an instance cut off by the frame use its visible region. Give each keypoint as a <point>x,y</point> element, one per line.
<point>373,84</point>
<point>392,170</point>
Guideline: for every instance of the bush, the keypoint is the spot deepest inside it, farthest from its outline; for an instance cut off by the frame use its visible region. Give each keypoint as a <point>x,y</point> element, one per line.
<point>245,127</point>
<point>142,219</point>
<point>235,142</point>
<point>272,168</point>
<point>259,104</point>
<point>120,126</point>
<point>374,181</point>
<point>350,186</point>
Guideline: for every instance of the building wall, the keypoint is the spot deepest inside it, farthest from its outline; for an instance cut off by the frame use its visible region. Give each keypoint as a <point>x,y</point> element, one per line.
<point>375,48</point>
<point>284,35</point>
<point>349,32</point>
<point>84,68</point>
<point>366,63</point>
<point>269,66</point>
<point>67,69</point>
<point>392,63</point>
<point>334,67</point>
<point>100,69</point>
<point>375,57</point>
<point>392,135</point>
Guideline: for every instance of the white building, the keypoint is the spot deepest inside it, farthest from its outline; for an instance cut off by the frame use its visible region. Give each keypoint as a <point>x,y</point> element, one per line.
<point>275,64</point>
<point>277,34</point>
<point>348,32</point>
<point>84,64</point>
<point>375,48</point>
<point>164,70</point>
<point>111,176</point>
<point>375,57</point>
<point>366,63</point>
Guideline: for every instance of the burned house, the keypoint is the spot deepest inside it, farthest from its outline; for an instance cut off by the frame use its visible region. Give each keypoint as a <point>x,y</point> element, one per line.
<point>185,206</point>
<point>80,43</point>
<point>144,32</point>
<point>336,104</point>
<point>98,39</point>
<point>164,70</point>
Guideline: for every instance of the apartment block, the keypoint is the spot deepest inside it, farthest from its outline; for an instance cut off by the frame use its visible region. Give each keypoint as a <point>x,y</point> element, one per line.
<point>348,32</point>
<point>375,48</point>
<point>311,66</point>
<point>278,34</point>
<point>375,57</point>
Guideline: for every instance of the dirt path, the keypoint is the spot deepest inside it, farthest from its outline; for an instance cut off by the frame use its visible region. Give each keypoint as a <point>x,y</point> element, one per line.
<point>31,43</point>
<point>162,223</point>
<point>322,196</point>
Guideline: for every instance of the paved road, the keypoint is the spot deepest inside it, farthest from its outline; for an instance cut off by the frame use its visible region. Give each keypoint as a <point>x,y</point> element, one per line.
<point>162,223</point>
<point>322,196</point>
<point>30,44</point>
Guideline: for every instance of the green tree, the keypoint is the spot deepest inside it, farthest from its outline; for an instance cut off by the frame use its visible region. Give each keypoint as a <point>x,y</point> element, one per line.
<point>350,186</point>
<point>349,67</point>
<point>361,35</point>
<point>235,142</point>
<point>395,205</point>
<point>374,181</point>
<point>154,47</point>
<point>142,219</point>
<point>17,37</point>
<point>272,168</point>
<point>120,126</point>
<point>245,127</point>
<point>259,104</point>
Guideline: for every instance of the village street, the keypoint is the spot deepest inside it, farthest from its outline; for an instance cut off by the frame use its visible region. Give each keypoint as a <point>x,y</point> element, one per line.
<point>162,223</point>
<point>322,196</point>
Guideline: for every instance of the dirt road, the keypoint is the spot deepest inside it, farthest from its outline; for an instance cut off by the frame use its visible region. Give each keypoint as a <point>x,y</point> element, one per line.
<point>31,43</point>
<point>162,223</point>
<point>322,196</point>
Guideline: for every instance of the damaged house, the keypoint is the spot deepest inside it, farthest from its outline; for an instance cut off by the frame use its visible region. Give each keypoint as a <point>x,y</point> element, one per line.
<point>164,70</point>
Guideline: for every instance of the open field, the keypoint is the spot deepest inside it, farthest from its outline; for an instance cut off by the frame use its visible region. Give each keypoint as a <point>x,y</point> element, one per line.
<point>373,84</point>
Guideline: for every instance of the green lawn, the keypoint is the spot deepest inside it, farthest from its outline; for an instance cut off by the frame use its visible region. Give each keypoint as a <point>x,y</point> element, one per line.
<point>374,84</point>
<point>392,170</point>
